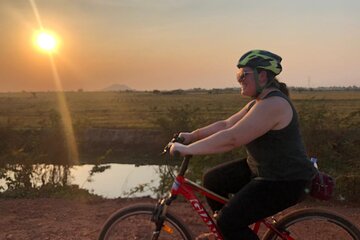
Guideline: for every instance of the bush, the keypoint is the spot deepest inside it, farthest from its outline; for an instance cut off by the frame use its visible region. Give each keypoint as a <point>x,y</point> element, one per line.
<point>332,138</point>
<point>176,119</point>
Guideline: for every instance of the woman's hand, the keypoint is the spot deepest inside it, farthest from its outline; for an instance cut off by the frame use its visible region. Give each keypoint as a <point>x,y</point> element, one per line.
<point>187,137</point>
<point>178,147</point>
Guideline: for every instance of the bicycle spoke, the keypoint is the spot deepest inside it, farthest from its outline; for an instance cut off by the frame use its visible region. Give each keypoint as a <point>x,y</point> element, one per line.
<point>311,224</point>
<point>135,223</point>
<point>312,229</point>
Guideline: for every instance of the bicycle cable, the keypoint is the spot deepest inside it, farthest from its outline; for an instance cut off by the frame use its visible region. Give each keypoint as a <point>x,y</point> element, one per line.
<point>168,172</point>
<point>169,169</point>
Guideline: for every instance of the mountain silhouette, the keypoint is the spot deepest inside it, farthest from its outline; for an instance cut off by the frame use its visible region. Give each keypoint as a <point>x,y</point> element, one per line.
<point>117,87</point>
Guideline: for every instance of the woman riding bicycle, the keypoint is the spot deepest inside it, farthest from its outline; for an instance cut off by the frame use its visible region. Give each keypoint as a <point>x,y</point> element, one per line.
<point>276,173</point>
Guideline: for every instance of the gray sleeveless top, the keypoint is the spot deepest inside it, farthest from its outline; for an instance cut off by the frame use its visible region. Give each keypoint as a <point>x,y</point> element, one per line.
<point>280,154</point>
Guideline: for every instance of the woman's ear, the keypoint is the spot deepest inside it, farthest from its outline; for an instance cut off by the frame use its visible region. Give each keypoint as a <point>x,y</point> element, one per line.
<point>262,77</point>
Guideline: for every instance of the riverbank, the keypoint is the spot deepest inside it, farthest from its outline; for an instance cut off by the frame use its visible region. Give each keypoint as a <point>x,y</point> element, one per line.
<point>81,219</point>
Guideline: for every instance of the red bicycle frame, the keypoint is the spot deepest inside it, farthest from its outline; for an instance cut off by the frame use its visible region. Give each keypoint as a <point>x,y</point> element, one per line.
<point>185,187</point>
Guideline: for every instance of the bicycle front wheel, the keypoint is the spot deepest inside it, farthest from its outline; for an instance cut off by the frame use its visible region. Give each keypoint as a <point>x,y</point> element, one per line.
<point>311,224</point>
<point>134,222</point>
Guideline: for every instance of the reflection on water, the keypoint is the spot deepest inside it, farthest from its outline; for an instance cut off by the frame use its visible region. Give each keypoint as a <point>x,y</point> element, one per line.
<point>117,181</point>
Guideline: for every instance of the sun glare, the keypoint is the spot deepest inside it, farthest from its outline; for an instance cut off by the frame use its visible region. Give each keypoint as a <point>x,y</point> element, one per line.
<point>46,41</point>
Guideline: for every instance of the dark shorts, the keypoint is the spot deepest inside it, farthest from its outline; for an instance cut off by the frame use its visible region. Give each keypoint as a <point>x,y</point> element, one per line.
<point>252,200</point>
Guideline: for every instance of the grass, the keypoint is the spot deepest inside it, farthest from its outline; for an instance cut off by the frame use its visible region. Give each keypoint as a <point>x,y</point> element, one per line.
<point>330,124</point>
<point>137,110</point>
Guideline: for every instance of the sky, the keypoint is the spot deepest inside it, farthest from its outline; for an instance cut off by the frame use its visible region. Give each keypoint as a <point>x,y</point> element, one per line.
<point>168,44</point>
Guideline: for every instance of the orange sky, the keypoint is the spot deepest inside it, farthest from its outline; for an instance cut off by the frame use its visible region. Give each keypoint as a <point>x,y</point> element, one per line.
<point>169,44</point>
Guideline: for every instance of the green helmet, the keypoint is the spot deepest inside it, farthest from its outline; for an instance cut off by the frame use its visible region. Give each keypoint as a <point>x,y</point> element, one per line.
<point>261,59</point>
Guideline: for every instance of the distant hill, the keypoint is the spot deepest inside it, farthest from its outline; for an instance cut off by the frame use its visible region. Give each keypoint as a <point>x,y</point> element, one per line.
<point>117,87</point>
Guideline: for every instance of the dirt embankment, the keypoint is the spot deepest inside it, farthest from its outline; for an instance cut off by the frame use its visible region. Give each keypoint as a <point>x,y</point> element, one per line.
<point>127,145</point>
<point>79,219</point>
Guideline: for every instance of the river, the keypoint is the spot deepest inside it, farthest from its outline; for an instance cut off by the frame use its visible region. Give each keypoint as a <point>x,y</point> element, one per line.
<point>116,181</point>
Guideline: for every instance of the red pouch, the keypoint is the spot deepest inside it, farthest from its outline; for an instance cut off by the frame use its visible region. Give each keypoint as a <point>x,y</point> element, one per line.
<point>322,186</point>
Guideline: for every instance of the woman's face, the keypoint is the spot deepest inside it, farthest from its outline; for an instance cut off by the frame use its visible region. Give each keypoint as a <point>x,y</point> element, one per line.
<point>245,77</point>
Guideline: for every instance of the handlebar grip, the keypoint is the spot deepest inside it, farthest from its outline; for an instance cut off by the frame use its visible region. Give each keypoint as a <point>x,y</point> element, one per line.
<point>178,139</point>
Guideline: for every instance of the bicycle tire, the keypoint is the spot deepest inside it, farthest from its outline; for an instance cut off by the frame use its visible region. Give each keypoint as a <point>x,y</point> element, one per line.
<point>141,228</point>
<point>327,222</point>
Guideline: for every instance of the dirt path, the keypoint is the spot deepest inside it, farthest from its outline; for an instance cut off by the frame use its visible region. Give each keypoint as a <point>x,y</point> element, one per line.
<point>79,219</point>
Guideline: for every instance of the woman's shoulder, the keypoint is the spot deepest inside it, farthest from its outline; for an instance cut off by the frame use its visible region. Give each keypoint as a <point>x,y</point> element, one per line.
<point>270,102</point>
<point>275,102</point>
<point>274,107</point>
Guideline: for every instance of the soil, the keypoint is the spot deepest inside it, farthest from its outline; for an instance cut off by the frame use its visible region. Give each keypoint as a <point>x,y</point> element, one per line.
<point>51,218</point>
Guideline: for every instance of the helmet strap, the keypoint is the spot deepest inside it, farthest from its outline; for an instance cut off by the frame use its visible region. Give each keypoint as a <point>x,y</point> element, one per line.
<point>259,88</point>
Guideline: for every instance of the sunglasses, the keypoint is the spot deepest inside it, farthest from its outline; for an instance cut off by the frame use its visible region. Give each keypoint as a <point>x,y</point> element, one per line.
<point>241,77</point>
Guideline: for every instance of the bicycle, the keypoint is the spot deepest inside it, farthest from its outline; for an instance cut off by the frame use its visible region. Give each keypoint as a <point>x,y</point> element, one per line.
<point>146,221</point>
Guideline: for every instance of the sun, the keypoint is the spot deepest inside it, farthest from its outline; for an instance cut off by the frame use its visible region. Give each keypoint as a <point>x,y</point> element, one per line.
<point>46,41</point>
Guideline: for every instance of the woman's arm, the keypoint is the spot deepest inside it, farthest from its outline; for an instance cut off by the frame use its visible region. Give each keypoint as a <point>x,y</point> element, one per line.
<point>209,130</point>
<point>264,116</point>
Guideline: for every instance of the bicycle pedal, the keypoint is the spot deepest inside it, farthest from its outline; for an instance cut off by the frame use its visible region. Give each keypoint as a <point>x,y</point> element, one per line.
<point>216,215</point>
<point>273,220</point>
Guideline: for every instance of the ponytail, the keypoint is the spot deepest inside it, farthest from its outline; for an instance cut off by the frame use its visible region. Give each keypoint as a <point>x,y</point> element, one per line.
<point>274,82</point>
<point>281,86</point>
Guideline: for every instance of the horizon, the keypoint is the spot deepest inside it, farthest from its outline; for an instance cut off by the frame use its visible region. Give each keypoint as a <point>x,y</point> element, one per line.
<point>167,45</point>
<point>320,88</point>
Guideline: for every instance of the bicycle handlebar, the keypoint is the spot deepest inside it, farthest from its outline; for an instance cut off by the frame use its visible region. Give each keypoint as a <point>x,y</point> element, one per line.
<point>175,138</point>
<point>186,159</point>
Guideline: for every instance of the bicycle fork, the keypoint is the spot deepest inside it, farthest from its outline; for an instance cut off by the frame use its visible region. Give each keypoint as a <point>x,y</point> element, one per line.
<point>159,216</point>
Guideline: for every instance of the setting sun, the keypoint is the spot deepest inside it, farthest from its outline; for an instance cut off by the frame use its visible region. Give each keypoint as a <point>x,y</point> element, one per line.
<point>46,41</point>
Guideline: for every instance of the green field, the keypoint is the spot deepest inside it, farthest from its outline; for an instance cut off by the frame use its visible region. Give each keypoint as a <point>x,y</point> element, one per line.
<point>137,110</point>
<point>31,129</point>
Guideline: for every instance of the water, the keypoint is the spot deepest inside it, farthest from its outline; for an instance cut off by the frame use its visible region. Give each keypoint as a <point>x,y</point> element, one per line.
<point>117,180</point>
<point>114,182</point>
